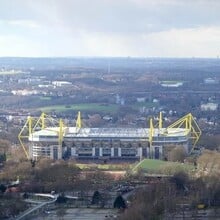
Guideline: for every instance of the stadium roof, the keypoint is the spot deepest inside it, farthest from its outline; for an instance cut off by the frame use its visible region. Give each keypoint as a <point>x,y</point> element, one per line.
<point>74,132</point>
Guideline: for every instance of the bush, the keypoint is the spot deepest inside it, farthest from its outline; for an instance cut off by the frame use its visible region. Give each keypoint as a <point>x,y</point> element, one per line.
<point>96,198</point>
<point>177,154</point>
<point>180,179</point>
<point>119,203</point>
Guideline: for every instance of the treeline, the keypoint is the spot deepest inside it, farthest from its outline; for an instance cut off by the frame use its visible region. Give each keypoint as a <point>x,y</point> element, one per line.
<point>166,198</point>
<point>47,175</point>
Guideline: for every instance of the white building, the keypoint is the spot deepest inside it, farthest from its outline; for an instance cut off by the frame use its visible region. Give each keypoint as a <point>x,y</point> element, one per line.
<point>61,83</point>
<point>171,84</point>
<point>24,92</point>
<point>210,81</point>
<point>210,106</point>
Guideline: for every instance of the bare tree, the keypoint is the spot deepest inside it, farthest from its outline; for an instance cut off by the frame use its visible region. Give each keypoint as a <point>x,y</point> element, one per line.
<point>177,154</point>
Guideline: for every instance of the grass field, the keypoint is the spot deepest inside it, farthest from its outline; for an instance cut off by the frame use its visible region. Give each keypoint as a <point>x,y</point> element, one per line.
<point>45,98</point>
<point>107,167</point>
<point>151,164</point>
<point>148,166</point>
<point>96,107</point>
<point>162,167</point>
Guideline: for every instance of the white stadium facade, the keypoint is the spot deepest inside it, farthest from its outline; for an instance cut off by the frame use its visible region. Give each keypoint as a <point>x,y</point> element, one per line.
<point>49,137</point>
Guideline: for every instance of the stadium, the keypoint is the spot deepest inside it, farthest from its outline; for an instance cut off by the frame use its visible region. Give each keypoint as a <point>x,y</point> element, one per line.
<point>48,137</point>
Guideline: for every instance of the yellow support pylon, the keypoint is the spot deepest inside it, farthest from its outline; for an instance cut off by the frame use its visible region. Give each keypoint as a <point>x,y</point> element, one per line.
<point>24,134</point>
<point>189,123</point>
<point>151,133</point>
<point>79,120</point>
<point>34,124</point>
<point>160,121</point>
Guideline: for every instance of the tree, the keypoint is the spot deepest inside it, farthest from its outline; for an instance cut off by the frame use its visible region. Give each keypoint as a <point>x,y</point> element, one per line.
<point>98,179</point>
<point>209,163</point>
<point>59,176</point>
<point>177,154</point>
<point>180,179</point>
<point>3,188</point>
<point>45,176</point>
<point>96,198</point>
<point>61,198</point>
<point>61,212</point>
<point>2,157</point>
<point>11,205</point>
<point>119,203</point>
<point>25,196</point>
<point>4,146</point>
<point>151,202</point>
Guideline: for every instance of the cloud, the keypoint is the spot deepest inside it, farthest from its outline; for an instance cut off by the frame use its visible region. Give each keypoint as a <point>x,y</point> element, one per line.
<point>198,42</point>
<point>180,28</point>
<point>125,15</point>
<point>24,23</point>
<point>20,46</point>
<point>189,42</point>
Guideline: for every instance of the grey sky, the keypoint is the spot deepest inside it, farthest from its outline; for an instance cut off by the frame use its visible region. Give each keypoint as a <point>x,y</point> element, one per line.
<point>150,28</point>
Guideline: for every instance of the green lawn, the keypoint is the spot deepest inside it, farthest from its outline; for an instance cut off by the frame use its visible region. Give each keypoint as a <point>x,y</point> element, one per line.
<point>148,166</point>
<point>151,164</point>
<point>45,98</point>
<point>162,167</point>
<point>97,107</point>
<point>106,167</point>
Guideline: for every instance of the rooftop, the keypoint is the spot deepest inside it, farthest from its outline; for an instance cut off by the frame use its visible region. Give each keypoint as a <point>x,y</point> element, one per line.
<point>74,132</point>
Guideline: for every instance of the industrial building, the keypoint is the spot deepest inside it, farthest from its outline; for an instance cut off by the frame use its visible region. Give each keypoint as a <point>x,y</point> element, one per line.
<point>48,137</point>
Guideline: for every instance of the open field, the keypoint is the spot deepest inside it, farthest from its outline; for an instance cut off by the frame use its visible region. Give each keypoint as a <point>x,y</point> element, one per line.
<point>45,98</point>
<point>162,167</point>
<point>147,166</point>
<point>96,107</point>
<point>105,167</point>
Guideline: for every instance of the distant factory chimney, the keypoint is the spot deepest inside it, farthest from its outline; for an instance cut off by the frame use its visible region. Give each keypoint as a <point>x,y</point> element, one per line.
<point>109,67</point>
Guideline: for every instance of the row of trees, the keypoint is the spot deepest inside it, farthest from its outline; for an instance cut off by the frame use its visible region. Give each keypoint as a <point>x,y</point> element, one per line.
<point>11,205</point>
<point>48,175</point>
<point>209,163</point>
<point>162,199</point>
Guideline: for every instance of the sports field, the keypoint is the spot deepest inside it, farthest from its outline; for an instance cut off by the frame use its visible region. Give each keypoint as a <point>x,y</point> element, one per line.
<point>96,107</point>
<point>150,166</point>
<point>105,167</point>
<point>162,167</point>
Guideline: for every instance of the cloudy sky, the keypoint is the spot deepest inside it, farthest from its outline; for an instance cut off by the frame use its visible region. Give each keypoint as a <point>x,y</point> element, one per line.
<point>149,28</point>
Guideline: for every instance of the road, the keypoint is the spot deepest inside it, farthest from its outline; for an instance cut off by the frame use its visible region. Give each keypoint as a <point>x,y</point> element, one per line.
<point>29,212</point>
<point>80,214</point>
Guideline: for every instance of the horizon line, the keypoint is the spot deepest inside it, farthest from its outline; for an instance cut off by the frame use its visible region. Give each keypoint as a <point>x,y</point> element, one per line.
<point>107,57</point>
